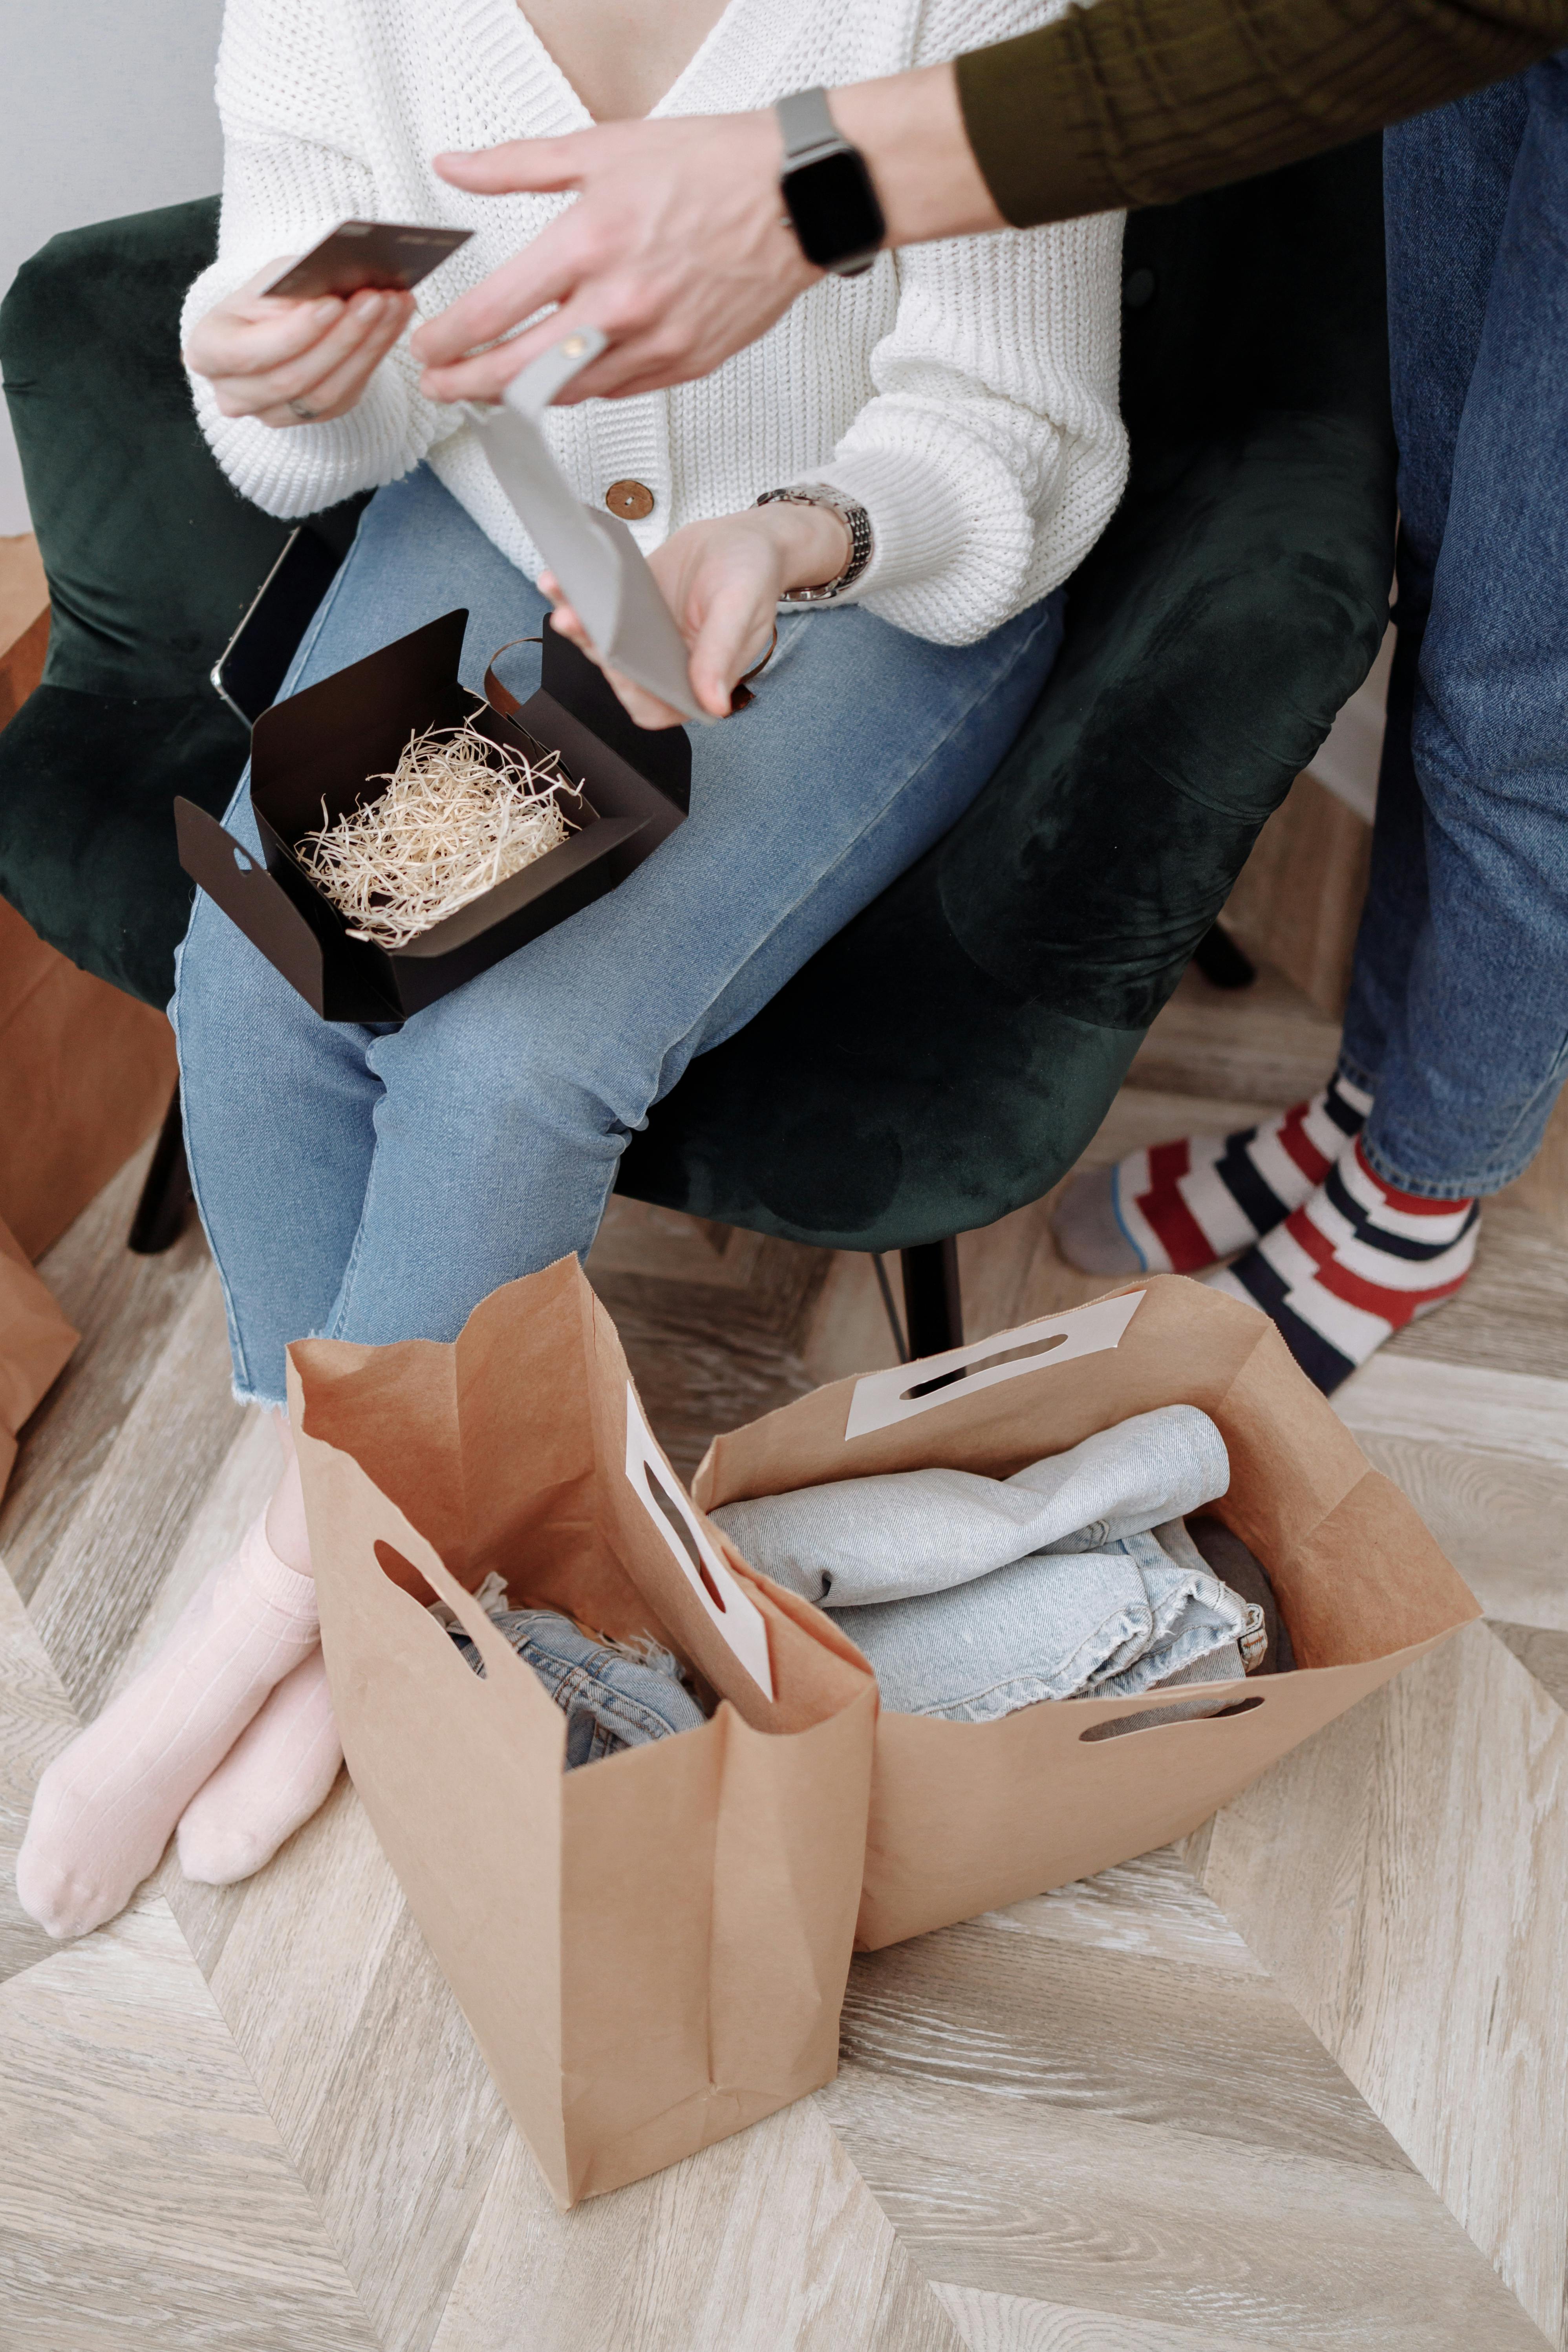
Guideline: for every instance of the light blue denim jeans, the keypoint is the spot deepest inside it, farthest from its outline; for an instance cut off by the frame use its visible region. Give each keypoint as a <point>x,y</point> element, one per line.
<point>610,1701</point>
<point>1458,1020</point>
<point>374,1183</point>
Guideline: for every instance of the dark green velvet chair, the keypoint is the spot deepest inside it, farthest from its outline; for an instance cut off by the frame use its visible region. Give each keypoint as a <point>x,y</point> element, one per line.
<point>951,1053</point>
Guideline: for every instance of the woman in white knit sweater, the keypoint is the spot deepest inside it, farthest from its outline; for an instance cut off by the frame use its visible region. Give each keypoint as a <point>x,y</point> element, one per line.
<point>373,1183</point>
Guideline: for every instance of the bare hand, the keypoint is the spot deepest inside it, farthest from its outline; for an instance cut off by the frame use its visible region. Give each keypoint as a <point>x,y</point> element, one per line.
<point>294,362</point>
<point>676,248</point>
<point>723,581</point>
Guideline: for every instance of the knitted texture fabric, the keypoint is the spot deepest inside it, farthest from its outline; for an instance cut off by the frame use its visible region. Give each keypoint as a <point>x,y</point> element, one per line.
<point>965,392</point>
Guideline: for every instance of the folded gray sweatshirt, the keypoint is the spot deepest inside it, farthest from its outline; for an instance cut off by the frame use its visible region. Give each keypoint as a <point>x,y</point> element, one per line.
<point>972,1596</point>
<point>913,1531</point>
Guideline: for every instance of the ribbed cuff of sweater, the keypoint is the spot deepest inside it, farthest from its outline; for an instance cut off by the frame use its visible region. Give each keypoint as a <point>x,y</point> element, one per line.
<point>299,469</point>
<point>303,468</point>
<point>918,528</point>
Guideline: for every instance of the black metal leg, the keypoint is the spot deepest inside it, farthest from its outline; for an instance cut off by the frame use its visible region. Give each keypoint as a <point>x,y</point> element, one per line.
<point>1222,963</point>
<point>933,1309</point>
<point>166,1195</point>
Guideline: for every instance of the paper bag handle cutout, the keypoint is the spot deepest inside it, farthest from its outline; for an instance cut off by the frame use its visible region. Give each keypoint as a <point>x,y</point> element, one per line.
<point>734,1615</point>
<point>881,1399</point>
<point>1131,1722</point>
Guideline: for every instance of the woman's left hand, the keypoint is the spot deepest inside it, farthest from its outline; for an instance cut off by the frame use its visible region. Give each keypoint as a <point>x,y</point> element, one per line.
<point>723,581</point>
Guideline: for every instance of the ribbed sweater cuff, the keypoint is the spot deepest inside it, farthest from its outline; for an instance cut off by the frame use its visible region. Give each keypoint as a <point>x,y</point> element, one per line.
<point>303,468</point>
<point>918,526</point>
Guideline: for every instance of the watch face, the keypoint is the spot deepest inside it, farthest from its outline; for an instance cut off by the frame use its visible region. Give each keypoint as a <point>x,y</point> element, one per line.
<point>835,210</point>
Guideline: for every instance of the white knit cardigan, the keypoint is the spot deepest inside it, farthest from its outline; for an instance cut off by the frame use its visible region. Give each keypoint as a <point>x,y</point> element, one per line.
<point>965,392</point>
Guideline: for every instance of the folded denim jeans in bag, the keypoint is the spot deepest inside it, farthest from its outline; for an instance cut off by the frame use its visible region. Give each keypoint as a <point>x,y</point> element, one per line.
<point>1098,1624</point>
<point>967,1817</point>
<point>610,1699</point>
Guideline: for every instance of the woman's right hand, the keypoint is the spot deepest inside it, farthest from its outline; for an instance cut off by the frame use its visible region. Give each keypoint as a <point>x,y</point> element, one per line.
<point>288,363</point>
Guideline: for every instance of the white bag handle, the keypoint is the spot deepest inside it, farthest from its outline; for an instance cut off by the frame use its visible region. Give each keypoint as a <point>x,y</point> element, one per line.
<point>734,1615</point>
<point>881,1399</point>
<point>594,555</point>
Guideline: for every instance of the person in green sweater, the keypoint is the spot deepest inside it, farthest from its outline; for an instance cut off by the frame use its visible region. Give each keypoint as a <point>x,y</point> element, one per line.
<point>1349,1216</point>
<point>678,249</point>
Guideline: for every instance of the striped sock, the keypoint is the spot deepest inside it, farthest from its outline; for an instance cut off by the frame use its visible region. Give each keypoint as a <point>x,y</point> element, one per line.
<point>1180,1206</point>
<point>1355,1262</point>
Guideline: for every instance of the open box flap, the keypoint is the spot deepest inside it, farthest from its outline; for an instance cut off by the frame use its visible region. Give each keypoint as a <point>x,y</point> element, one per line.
<point>326,743</point>
<point>256,903</point>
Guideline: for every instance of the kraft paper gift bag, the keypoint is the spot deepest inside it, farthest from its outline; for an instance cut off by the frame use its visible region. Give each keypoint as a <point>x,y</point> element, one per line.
<point>36,1343</point>
<point>652,1948</point>
<point>86,1073</point>
<point>966,1816</point>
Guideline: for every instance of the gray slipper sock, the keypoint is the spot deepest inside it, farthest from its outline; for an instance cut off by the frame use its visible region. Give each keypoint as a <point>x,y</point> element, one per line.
<point>1085,1224</point>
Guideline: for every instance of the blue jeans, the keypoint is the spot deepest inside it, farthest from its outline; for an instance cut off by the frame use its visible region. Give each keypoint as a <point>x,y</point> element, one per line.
<point>610,1701</point>
<point>374,1183</point>
<point>1458,1020</point>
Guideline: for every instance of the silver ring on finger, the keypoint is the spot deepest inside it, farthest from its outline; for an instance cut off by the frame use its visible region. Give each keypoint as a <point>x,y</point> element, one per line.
<point>306,415</point>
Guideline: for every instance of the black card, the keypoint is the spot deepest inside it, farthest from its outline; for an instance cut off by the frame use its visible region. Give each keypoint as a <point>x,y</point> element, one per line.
<point>383,254</point>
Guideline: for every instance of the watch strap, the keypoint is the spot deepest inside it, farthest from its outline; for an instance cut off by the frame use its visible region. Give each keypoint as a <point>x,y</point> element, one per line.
<point>807,126</point>
<point>856,521</point>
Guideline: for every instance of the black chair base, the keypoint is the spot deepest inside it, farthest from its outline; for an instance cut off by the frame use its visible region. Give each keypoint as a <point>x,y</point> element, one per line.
<point>934,1306</point>
<point>1222,963</point>
<point>166,1196</point>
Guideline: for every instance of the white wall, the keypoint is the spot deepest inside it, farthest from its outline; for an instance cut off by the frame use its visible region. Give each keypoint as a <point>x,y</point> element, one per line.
<point>106,107</point>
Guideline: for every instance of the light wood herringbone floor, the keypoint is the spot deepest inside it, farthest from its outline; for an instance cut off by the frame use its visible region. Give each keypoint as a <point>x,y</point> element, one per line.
<point>1301,2084</point>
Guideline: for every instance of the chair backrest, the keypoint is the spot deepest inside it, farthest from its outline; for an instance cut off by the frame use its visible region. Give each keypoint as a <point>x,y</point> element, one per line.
<point>152,557</point>
<point>152,560</point>
<point>1233,606</point>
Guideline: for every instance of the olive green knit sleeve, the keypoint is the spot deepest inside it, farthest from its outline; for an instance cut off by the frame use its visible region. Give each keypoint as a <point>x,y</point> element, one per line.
<point>1140,101</point>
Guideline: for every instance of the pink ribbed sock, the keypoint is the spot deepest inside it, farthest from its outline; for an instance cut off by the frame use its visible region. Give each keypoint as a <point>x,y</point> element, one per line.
<point>278,1772</point>
<point>105,1808</point>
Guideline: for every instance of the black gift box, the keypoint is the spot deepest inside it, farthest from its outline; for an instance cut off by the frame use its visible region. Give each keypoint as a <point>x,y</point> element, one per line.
<point>334,742</point>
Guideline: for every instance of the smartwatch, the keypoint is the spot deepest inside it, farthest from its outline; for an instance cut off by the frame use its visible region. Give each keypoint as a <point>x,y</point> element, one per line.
<point>827,188</point>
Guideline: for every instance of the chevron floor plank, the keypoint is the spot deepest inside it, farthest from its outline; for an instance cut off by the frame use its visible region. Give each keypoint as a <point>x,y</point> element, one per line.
<point>145,2196</point>
<point>1405,1878</point>
<point>36,1721</point>
<point>1014,2323</point>
<point>793,2255</point>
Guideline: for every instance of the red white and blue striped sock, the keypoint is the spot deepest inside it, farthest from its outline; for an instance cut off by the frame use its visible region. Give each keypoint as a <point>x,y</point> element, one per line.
<point>1355,1264</point>
<point>1179,1206</point>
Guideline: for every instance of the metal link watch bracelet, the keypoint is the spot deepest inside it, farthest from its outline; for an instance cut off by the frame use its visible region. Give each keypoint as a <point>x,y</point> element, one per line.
<point>855,520</point>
